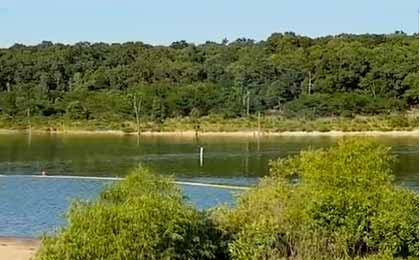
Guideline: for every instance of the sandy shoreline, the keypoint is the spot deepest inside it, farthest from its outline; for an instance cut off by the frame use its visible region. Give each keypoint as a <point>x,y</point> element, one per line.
<point>13,248</point>
<point>412,133</point>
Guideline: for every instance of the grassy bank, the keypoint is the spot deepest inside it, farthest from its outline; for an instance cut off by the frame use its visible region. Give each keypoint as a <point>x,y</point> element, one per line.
<point>266,124</point>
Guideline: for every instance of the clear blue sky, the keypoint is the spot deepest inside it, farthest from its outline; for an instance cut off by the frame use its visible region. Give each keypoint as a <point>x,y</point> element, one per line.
<point>162,22</point>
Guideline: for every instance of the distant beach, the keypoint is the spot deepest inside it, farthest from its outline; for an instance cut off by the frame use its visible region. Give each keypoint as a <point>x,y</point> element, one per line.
<point>411,133</point>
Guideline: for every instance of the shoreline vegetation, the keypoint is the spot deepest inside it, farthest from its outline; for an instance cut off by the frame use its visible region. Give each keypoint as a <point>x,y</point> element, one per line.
<point>285,83</point>
<point>401,124</point>
<point>408,133</point>
<point>343,216</point>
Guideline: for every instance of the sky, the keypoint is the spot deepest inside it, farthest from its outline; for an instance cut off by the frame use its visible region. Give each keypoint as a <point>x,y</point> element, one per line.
<point>162,22</point>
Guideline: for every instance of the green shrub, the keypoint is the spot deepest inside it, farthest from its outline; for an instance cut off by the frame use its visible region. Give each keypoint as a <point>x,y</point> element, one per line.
<point>334,203</point>
<point>344,104</point>
<point>143,217</point>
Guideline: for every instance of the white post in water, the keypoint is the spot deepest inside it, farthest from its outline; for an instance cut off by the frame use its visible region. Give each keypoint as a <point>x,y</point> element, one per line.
<point>201,156</point>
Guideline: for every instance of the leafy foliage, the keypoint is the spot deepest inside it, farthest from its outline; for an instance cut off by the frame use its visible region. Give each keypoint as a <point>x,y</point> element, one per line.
<point>331,203</point>
<point>292,74</point>
<point>144,217</point>
<point>321,204</point>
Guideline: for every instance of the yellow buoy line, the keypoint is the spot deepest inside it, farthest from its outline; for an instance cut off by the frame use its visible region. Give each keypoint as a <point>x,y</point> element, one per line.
<point>219,186</point>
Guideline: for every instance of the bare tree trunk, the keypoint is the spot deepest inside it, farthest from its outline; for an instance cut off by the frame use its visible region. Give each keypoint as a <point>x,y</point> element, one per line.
<point>137,108</point>
<point>259,123</point>
<point>137,122</point>
<point>28,115</point>
<point>247,102</point>
<point>372,89</point>
<point>310,84</point>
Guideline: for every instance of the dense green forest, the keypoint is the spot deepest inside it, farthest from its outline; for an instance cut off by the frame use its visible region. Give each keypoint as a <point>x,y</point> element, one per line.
<point>285,75</point>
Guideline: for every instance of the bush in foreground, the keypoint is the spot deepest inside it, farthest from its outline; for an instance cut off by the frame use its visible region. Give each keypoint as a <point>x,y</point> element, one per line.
<point>334,203</point>
<point>143,217</point>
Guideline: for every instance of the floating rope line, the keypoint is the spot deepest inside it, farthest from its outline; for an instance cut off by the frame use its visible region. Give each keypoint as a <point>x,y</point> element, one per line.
<point>186,183</point>
<point>219,186</point>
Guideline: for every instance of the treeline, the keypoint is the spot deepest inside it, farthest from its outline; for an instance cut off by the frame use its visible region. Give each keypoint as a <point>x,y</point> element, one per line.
<point>286,74</point>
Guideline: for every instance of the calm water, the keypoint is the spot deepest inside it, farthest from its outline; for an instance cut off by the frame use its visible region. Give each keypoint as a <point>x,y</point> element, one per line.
<point>30,206</point>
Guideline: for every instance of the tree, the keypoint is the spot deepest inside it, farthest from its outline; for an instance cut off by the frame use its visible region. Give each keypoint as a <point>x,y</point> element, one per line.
<point>250,77</point>
<point>143,217</point>
<point>136,101</point>
<point>325,204</point>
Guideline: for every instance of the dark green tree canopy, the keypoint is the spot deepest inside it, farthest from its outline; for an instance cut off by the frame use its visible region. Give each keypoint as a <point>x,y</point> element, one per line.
<point>239,77</point>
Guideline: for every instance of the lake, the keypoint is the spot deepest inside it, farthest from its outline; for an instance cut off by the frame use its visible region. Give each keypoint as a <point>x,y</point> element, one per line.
<point>30,206</point>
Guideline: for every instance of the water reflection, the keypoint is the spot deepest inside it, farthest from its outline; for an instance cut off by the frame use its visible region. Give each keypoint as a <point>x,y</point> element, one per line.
<point>39,204</point>
<point>224,157</point>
